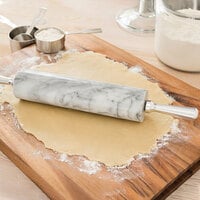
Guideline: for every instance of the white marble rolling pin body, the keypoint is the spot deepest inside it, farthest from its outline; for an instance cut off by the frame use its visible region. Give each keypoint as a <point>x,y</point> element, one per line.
<point>85,95</point>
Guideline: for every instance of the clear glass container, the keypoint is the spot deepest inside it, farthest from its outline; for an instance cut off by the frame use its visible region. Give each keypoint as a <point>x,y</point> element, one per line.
<point>177,34</point>
<point>138,20</point>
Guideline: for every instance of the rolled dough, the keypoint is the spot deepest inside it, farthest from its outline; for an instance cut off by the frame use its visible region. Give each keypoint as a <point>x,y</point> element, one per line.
<point>105,139</point>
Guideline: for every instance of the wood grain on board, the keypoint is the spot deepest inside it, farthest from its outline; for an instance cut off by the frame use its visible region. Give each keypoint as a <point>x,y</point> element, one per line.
<point>151,177</point>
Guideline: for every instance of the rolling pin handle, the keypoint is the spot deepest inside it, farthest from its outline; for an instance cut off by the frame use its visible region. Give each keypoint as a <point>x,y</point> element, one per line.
<point>6,80</point>
<point>187,112</point>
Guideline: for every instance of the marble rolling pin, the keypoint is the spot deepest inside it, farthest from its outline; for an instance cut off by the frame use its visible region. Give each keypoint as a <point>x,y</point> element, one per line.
<point>90,96</point>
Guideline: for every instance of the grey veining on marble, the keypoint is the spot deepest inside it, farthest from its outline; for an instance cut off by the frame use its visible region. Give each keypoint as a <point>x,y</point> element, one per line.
<point>84,95</point>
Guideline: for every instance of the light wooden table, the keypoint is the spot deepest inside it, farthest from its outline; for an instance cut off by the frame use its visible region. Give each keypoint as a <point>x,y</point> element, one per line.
<point>77,14</point>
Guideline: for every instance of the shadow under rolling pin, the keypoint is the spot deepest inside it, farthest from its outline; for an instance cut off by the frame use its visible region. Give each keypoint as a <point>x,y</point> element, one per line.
<point>90,96</point>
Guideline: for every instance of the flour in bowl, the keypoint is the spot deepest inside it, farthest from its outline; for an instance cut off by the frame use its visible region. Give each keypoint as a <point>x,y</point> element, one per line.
<point>49,34</point>
<point>177,39</point>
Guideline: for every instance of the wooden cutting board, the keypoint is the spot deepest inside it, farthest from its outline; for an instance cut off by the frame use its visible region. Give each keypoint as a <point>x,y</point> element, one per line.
<point>147,177</point>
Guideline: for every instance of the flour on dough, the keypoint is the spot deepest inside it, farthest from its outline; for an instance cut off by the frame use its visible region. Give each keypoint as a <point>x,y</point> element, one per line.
<point>105,139</point>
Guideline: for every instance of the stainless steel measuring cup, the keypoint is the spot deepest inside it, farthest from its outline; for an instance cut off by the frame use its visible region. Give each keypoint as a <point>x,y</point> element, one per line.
<point>16,30</point>
<point>54,45</point>
<point>17,45</point>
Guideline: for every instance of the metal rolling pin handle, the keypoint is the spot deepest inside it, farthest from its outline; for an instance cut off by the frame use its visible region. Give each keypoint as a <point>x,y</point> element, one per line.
<point>6,80</point>
<point>186,112</point>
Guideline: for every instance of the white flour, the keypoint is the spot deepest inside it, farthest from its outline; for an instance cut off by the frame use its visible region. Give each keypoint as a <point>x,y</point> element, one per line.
<point>135,69</point>
<point>50,34</point>
<point>29,62</point>
<point>177,40</point>
<point>63,157</point>
<point>90,167</point>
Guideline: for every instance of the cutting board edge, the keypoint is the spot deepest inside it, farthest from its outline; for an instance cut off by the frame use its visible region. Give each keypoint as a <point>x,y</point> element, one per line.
<point>147,64</point>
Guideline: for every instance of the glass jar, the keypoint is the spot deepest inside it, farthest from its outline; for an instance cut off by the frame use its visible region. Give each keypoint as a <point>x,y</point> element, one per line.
<point>177,35</point>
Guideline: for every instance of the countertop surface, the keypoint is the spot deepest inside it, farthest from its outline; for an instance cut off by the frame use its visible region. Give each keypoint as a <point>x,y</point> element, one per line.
<point>73,15</point>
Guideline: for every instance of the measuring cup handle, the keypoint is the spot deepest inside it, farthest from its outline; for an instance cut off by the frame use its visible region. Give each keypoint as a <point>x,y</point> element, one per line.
<point>85,31</point>
<point>37,19</point>
<point>6,21</point>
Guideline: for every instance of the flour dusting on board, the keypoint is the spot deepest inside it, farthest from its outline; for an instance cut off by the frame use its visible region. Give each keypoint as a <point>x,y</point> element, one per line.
<point>174,130</point>
<point>86,166</point>
<point>135,69</point>
<point>37,152</point>
<point>29,62</point>
<point>63,157</point>
<point>20,63</point>
<point>83,165</point>
<point>90,167</point>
